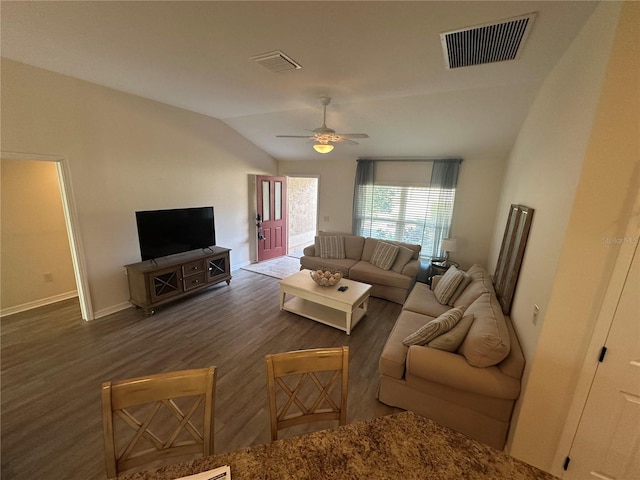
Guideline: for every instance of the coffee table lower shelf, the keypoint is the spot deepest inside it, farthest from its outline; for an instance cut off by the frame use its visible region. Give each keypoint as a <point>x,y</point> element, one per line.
<point>327,315</point>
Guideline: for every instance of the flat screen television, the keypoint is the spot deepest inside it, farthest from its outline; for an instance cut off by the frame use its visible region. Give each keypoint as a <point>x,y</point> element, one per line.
<point>166,232</point>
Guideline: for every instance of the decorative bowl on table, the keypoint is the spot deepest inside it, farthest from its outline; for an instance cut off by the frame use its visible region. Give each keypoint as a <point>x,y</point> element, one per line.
<point>325,278</point>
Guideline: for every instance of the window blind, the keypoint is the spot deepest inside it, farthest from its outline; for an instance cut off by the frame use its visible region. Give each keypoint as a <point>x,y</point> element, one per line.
<point>405,204</point>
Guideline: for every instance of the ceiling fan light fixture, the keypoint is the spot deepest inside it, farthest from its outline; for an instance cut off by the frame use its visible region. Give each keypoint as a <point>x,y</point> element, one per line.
<point>322,147</point>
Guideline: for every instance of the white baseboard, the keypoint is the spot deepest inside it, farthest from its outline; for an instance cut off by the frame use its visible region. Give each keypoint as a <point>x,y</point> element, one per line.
<point>112,309</point>
<point>38,303</point>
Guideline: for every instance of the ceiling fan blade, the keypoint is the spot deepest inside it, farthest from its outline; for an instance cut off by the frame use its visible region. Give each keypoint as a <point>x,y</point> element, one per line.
<point>352,135</point>
<point>295,136</point>
<point>346,140</point>
<point>326,135</point>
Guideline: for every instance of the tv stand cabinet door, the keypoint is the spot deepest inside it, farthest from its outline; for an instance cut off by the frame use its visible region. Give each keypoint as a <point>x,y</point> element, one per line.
<point>219,268</point>
<point>165,283</point>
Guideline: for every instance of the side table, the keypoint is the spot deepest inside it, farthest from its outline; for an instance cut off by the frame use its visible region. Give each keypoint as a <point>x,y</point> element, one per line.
<point>438,268</point>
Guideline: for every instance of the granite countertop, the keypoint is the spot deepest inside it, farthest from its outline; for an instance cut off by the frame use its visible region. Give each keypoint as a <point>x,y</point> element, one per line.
<point>404,445</point>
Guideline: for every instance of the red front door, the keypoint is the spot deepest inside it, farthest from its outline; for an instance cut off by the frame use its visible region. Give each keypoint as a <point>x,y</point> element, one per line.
<point>271,217</point>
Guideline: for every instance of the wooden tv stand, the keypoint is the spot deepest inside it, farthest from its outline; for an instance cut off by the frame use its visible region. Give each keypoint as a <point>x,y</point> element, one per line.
<point>155,282</point>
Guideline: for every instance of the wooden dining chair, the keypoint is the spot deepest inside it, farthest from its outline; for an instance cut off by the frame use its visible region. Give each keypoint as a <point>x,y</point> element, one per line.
<point>179,406</point>
<point>307,386</point>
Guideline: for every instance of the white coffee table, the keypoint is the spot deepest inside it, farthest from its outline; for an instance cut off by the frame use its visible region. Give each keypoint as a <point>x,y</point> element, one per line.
<point>328,305</point>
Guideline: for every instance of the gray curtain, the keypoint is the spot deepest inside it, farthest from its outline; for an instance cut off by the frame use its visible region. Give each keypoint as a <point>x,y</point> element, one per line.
<point>444,178</point>
<point>363,198</point>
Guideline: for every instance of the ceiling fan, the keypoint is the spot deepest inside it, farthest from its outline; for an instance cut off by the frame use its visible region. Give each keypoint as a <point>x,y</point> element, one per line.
<point>324,136</point>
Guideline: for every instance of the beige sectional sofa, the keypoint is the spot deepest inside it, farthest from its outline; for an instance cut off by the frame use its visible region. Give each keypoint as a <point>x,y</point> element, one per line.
<point>355,263</point>
<point>471,389</point>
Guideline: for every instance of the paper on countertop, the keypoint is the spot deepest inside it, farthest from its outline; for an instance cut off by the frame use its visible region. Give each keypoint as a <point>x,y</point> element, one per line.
<point>220,473</point>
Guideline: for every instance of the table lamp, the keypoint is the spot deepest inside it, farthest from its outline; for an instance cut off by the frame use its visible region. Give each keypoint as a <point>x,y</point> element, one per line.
<point>448,245</point>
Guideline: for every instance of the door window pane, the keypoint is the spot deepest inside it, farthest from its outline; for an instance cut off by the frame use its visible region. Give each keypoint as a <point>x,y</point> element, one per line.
<point>278,201</point>
<point>266,194</point>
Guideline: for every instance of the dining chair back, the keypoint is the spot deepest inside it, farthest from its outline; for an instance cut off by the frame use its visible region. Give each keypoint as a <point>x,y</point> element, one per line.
<point>307,386</point>
<point>179,406</point>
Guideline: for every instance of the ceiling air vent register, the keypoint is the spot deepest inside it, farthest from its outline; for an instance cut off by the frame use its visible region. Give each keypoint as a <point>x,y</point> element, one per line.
<point>494,42</point>
<point>276,61</point>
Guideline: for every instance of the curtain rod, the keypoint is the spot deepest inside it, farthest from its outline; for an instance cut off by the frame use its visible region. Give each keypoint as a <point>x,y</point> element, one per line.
<point>412,159</point>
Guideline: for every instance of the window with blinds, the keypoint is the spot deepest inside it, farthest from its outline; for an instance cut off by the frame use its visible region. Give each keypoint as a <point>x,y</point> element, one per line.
<point>406,211</point>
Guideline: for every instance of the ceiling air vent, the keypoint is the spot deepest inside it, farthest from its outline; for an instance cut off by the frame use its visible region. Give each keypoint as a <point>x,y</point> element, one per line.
<point>276,61</point>
<point>494,42</point>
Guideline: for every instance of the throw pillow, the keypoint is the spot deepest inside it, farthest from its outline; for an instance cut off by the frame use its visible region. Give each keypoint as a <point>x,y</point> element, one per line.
<point>450,341</point>
<point>480,283</point>
<point>330,246</point>
<point>404,255</point>
<point>384,255</point>
<point>435,328</point>
<point>448,285</point>
<point>466,280</point>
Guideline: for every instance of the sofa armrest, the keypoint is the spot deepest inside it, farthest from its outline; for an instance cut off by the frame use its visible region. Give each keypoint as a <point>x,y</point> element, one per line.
<point>411,269</point>
<point>452,370</point>
<point>309,250</point>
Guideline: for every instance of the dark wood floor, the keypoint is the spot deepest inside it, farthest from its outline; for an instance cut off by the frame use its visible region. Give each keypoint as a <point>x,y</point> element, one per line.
<point>53,364</point>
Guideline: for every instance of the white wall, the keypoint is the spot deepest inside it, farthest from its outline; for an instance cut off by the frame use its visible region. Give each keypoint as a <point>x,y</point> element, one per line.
<point>575,162</point>
<point>474,211</point>
<point>34,237</point>
<point>126,153</point>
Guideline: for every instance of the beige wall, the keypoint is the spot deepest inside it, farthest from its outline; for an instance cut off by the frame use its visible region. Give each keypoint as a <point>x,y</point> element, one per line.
<point>546,162</point>
<point>474,212</point>
<point>126,153</point>
<point>576,163</point>
<point>34,237</point>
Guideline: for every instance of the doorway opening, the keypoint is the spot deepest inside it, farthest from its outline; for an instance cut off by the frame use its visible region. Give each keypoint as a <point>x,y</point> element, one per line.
<point>303,213</point>
<point>71,224</point>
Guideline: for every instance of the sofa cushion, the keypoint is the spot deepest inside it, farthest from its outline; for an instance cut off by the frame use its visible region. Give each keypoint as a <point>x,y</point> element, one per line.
<point>487,343</point>
<point>480,283</point>
<point>368,248</point>
<point>330,246</point>
<point>384,255</point>
<point>411,269</point>
<point>464,283</point>
<point>365,272</point>
<point>450,341</point>
<point>513,365</point>
<point>342,265</point>
<point>352,244</point>
<point>435,328</point>
<point>451,370</point>
<point>448,284</point>
<point>422,300</point>
<point>394,353</point>
<point>415,248</point>
<point>404,256</point>
<point>370,245</point>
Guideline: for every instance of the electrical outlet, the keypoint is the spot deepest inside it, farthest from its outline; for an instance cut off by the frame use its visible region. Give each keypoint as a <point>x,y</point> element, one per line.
<point>536,311</point>
<point>48,277</point>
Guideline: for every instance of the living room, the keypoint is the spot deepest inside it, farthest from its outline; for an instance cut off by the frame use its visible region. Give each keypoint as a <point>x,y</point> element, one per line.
<point>573,159</point>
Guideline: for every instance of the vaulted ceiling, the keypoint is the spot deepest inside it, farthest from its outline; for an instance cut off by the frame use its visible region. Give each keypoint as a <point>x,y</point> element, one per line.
<point>382,63</point>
